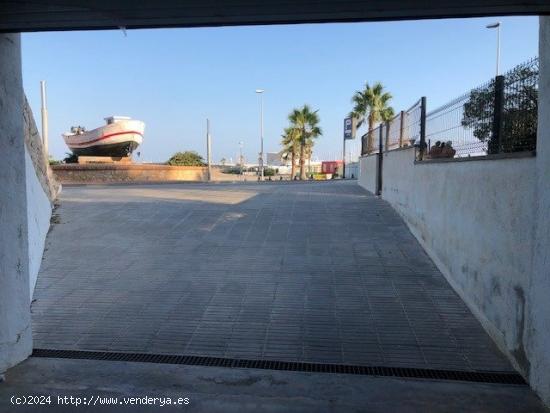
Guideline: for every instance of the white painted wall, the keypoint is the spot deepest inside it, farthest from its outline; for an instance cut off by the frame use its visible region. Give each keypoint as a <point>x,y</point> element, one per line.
<point>367,172</point>
<point>486,224</point>
<point>538,303</point>
<point>39,212</point>
<point>478,220</point>
<point>27,187</point>
<point>15,321</point>
<point>352,168</point>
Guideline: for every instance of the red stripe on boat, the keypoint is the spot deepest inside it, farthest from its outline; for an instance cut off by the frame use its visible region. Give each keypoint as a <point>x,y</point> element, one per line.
<point>107,136</point>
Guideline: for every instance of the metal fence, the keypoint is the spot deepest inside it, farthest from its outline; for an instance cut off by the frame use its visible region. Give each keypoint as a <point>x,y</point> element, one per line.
<point>393,132</point>
<point>520,107</point>
<point>401,131</point>
<point>449,123</point>
<point>499,116</point>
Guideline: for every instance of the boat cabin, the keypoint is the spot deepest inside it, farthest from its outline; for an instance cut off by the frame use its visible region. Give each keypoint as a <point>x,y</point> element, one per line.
<point>114,119</point>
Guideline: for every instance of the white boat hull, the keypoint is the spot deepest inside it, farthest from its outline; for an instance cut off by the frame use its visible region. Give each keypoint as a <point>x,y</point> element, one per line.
<point>120,138</point>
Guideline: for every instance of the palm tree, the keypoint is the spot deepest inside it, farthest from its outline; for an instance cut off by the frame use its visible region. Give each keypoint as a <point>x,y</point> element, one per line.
<point>304,121</point>
<point>291,144</point>
<point>371,104</point>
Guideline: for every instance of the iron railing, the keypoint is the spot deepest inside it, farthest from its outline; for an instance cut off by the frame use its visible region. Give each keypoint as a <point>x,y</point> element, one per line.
<point>453,125</point>
<point>402,130</point>
<point>499,116</point>
<point>519,121</point>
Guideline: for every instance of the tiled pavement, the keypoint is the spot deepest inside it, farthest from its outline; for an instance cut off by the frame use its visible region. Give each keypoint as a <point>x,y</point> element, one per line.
<point>319,272</point>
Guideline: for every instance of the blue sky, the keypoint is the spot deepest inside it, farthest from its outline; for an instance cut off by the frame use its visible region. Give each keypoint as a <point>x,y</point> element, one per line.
<point>174,78</point>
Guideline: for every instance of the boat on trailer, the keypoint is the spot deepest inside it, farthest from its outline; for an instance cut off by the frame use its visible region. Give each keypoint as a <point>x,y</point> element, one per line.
<point>119,137</point>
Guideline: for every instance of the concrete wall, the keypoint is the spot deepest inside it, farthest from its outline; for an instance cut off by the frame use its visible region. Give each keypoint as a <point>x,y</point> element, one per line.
<point>538,297</point>
<point>486,224</point>
<point>15,327</point>
<point>352,169</point>
<point>479,222</point>
<point>35,149</point>
<point>367,172</point>
<point>42,189</point>
<point>105,173</point>
<point>476,220</point>
<point>39,213</point>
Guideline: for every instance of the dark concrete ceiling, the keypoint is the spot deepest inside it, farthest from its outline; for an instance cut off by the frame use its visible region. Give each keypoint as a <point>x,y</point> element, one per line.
<point>35,15</point>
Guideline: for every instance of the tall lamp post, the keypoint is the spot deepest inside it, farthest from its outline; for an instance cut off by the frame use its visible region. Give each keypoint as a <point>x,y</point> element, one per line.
<point>241,143</point>
<point>44,112</point>
<point>208,149</point>
<point>261,159</point>
<point>496,26</point>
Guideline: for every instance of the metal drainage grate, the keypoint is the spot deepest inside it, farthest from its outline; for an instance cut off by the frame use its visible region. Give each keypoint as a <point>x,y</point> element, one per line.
<point>455,375</point>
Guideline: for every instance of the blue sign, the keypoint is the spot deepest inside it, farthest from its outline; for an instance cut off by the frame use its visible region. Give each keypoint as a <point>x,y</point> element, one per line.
<point>349,128</point>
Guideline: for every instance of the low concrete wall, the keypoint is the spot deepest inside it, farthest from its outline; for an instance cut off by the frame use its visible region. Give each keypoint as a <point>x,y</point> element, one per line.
<point>39,213</point>
<point>42,189</point>
<point>476,220</point>
<point>35,149</point>
<point>352,170</point>
<point>112,173</point>
<point>367,172</point>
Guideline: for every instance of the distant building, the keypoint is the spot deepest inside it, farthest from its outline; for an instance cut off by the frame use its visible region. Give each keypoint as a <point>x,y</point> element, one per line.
<point>275,159</point>
<point>331,167</point>
<point>352,170</point>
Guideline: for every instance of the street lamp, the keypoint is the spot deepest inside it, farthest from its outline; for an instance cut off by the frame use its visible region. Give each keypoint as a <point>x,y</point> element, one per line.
<point>241,143</point>
<point>261,158</point>
<point>496,26</point>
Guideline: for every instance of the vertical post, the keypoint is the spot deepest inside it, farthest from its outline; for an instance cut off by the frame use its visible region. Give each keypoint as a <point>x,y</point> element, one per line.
<point>422,128</point>
<point>498,49</point>
<point>261,136</point>
<point>380,157</point>
<point>261,154</point>
<point>364,145</point>
<point>44,119</point>
<point>496,142</point>
<point>387,144</point>
<point>208,149</point>
<point>241,157</point>
<point>401,128</point>
<point>344,160</point>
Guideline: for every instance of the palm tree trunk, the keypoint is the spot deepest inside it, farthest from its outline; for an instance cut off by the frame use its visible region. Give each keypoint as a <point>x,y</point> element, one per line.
<point>370,142</point>
<point>302,156</point>
<point>293,165</point>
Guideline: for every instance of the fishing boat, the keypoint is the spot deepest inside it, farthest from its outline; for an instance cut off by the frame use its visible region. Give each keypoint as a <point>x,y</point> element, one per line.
<point>120,136</point>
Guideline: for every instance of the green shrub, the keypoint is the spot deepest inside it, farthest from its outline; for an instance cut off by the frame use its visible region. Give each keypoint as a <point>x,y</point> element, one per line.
<point>187,158</point>
<point>235,170</point>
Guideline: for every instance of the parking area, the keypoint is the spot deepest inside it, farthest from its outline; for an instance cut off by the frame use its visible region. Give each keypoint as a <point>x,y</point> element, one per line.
<point>294,271</point>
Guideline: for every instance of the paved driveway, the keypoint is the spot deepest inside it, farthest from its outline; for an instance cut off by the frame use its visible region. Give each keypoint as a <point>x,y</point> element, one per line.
<point>319,272</point>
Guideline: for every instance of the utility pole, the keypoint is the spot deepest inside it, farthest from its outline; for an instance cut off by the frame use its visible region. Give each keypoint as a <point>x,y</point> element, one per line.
<point>44,119</point>
<point>261,157</point>
<point>496,26</point>
<point>344,160</point>
<point>208,149</point>
<point>241,156</point>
